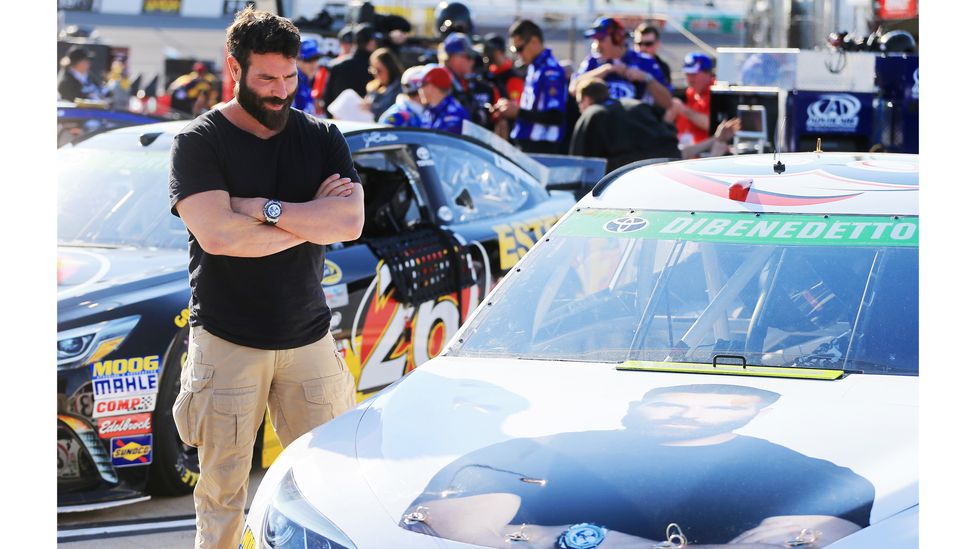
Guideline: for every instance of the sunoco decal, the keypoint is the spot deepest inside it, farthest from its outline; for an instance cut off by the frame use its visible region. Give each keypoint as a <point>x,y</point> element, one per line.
<point>135,424</point>
<point>779,229</point>
<point>131,451</point>
<point>834,113</point>
<point>124,405</point>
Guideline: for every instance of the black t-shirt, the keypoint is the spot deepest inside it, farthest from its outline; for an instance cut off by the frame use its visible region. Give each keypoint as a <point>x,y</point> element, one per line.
<point>273,302</point>
<point>630,484</point>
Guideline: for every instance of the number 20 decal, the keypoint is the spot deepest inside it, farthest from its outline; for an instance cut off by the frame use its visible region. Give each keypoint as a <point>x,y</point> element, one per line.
<point>394,338</point>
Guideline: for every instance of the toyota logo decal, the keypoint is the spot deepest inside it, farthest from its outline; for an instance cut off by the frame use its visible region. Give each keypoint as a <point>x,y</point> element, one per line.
<point>625,225</point>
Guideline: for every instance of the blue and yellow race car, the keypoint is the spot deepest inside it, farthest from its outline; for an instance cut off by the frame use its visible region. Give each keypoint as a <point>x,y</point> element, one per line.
<point>459,210</point>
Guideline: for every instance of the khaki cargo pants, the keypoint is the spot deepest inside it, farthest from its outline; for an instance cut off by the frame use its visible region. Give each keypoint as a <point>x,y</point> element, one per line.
<point>224,388</point>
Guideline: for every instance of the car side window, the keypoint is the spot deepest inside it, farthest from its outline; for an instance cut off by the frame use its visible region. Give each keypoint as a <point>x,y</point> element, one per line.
<point>391,205</point>
<point>475,187</point>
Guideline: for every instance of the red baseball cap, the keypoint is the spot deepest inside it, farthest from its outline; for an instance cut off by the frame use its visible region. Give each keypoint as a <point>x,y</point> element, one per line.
<point>437,76</point>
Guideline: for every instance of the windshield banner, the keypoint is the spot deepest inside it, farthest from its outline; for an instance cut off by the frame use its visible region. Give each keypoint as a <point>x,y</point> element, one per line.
<point>752,228</point>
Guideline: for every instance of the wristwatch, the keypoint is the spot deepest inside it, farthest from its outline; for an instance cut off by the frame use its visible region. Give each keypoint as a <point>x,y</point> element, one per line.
<point>272,211</point>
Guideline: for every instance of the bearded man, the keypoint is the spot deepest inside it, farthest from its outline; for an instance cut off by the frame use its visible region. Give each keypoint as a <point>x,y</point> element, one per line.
<point>262,188</point>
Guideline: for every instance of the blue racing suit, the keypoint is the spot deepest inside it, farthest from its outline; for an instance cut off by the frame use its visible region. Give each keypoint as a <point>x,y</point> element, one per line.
<point>620,86</point>
<point>448,115</point>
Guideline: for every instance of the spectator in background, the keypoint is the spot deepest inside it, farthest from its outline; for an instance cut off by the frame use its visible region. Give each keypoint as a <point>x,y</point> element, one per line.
<point>347,41</point>
<point>441,110</point>
<point>75,81</point>
<point>691,117</point>
<point>382,90</point>
<point>308,65</point>
<point>540,113</point>
<point>716,145</point>
<point>195,92</point>
<point>407,110</point>
<point>118,86</point>
<point>352,72</point>
<point>457,55</point>
<point>501,70</point>
<point>620,130</point>
<point>628,74</point>
<point>647,39</point>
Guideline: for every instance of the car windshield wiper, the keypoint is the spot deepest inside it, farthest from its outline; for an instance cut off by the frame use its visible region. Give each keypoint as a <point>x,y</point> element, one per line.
<point>716,368</point>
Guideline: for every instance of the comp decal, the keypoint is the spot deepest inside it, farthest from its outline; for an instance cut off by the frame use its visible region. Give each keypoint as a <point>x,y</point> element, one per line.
<point>182,319</point>
<point>123,426</point>
<point>126,385</point>
<point>124,405</point>
<point>125,366</point>
<point>515,239</point>
<point>131,451</point>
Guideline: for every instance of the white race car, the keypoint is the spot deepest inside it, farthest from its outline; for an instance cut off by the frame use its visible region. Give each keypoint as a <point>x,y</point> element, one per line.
<point>703,353</point>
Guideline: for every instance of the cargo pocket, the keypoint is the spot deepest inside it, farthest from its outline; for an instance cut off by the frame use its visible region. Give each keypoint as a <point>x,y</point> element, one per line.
<point>187,413</point>
<point>327,397</point>
<point>231,424</point>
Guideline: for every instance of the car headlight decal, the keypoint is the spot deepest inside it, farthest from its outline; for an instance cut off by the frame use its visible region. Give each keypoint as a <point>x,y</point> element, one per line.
<point>87,344</point>
<point>292,523</point>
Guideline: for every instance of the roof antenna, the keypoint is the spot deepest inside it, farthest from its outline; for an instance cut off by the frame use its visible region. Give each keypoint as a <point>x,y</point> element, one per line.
<point>778,166</point>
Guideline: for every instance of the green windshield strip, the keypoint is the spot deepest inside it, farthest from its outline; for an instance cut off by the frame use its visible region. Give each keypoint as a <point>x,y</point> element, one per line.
<point>730,369</point>
<point>776,229</point>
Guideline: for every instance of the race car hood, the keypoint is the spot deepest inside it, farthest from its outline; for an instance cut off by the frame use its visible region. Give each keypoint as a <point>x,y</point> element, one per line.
<point>458,437</point>
<point>100,275</point>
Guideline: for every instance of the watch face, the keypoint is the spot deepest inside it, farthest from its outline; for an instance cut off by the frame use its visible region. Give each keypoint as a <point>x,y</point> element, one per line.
<point>273,209</point>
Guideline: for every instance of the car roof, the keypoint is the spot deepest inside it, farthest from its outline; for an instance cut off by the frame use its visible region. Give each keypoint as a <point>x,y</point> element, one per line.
<point>812,183</point>
<point>161,134</point>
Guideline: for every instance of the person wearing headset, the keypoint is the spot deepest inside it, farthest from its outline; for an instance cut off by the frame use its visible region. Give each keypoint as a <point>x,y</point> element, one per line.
<point>628,74</point>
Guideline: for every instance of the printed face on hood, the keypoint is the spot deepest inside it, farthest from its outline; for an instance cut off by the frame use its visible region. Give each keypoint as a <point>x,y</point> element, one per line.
<point>677,416</point>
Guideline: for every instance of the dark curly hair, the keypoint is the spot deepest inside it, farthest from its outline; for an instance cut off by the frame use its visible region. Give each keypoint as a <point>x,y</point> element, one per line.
<point>256,31</point>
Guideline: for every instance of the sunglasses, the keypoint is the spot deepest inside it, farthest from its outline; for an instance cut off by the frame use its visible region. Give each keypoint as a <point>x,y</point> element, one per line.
<point>647,43</point>
<point>516,49</point>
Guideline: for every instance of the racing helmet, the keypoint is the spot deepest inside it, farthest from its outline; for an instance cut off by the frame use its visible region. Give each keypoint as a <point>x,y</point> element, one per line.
<point>453,17</point>
<point>897,41</point>
<point>412,78</point>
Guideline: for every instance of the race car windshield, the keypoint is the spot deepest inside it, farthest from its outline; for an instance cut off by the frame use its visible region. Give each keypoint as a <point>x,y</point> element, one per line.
<point>838,292</point>
<point>116,198</point>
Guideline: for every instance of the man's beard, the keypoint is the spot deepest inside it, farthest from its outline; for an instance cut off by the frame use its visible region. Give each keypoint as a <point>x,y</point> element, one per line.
<point>254,105</point>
